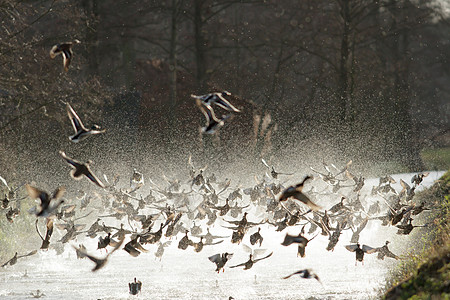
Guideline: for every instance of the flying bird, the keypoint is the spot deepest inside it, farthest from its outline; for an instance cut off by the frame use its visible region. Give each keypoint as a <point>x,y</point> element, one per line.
<point>295,191</point>
<point>360,251</point>
<point>81,132</point>
<point>212,122</point>
<point>217,98</point>
<point>48,203</point>
<point>250,262</point>
<point>80,169</point>
<point>220,260</point>
<point>306,273</point>
<point>99,262</point>
<point>65,49</point>
<point>273,172</point>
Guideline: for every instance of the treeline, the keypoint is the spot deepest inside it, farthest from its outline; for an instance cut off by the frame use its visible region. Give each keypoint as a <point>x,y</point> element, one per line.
<point>355,79</point>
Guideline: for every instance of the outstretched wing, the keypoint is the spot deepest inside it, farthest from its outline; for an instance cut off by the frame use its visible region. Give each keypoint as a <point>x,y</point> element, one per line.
<point>71,161</point>
<point>94,179</point>
<point>74,119</point>
<point>368,249</point>
<point>225,104</point>
<point>298,272</point>
<point>351,248</point>
<point>256,260</point>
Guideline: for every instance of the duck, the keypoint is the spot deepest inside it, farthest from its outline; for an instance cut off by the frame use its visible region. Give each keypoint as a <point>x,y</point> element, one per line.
<point>14,259</point>
<point>80,169</point>
<point>360,251</point>
<point>99,262</point>
<point>81,132</point>
<point>250,262</point>
<point>198,246</point>
<point>274,173</point>
<point>256,237</point>
<point>217,98</point>
<point>213,123</point>
<point>65,49</point>
<point>135,287</point>
<point>405,229</point>
<point>185,242</point>
<point>220,260</point>
<point>300,240</point>
<point>48,203</point>
<point>385,252</point>
<point>306,273</point>
<point>418,178</point>
<point>37,294</point>
<point>295,191</point>
<point>104,242</point>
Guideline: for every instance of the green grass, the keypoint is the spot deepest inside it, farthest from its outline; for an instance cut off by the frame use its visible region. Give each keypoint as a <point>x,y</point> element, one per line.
<point>436,159</point>
<point>426,273</point>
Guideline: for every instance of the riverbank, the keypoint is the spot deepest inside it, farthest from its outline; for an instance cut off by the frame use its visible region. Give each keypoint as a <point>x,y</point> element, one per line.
<point>425,274</point>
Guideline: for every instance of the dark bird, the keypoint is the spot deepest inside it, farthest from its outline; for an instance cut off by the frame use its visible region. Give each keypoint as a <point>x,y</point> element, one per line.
<point>250,262</point>
<point>135,287</point>
<point>306,273</point>
<point>296,192</point>
<point>405,229</point>
<point>220,260</point>
<point>185,242</point>
<point>80,169</point>
<point>66,50</point>
<point>418,178</point>
<point>13,260</point>
<point>48,203</point>
<point>104,242</point>
<point>99,262</point>
<point>212,122</point>
<point>360,251</point>
<point>217,98</point>
<point>133,247</point>
<point>384,251</point>
<point>256,237</point>
<point>300,240</point>
<point>81,132</point>
<point>48,233</point>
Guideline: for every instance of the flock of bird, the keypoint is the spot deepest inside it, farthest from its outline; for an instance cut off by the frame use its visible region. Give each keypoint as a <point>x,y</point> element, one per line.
<point>151,213</point>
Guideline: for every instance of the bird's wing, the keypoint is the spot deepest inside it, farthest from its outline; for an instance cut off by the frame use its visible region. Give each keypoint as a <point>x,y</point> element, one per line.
<point>67,57</point>
<point>215,258</point>
<point>28,254</point>
<point>263,257</point>
<point>225,104</point>
<point>4,182</point>
<point>94,179</point>
<point>74,119</point>
<point>303,198</point>
<point>58,193</point>
<point>351,248</point>
<point>298,272</point>
<point>368,249</point>
<point>239,265</point>
<point>35,192</point>
<point>71,161</point>
<point>265,163</point>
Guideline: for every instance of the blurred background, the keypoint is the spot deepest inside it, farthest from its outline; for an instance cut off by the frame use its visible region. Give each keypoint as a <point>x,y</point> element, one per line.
<point>316,81</point>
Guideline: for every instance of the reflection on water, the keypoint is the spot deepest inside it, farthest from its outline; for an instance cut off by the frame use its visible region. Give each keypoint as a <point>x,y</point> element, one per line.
<point>189,275</point>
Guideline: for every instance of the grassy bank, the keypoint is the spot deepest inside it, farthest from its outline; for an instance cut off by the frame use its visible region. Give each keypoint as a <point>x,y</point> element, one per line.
<point>425,274</point>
